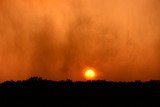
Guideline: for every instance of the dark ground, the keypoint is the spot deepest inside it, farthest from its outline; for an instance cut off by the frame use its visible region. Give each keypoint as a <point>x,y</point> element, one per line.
<point>36,92</point>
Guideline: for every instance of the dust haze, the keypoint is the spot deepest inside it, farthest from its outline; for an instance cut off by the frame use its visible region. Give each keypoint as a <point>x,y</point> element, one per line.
<point>57,39</point>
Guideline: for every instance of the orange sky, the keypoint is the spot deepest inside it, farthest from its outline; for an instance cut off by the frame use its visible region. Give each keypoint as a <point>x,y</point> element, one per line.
<point>58,39</point>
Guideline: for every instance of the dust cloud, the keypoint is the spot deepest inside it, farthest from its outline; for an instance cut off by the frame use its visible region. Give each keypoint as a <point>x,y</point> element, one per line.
<point>57,39</point>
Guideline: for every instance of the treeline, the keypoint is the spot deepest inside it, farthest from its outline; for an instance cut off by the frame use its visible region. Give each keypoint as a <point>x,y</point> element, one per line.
<point>36,92</point>
<point>37,85</point>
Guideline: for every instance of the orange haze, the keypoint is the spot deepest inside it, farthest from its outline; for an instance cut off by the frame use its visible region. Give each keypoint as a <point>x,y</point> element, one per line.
<point>58,39</point>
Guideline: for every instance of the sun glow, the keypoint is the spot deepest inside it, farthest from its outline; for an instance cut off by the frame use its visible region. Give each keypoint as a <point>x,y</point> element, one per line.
<point>89,74</point>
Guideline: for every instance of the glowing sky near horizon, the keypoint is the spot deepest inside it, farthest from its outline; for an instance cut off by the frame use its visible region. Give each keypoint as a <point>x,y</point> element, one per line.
<point>58,39</point>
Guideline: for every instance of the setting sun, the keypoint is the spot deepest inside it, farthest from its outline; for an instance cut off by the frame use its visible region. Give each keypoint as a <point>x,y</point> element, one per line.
<point>90,74</point>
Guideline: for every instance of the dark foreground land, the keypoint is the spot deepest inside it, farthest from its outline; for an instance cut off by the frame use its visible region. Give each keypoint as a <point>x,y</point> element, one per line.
<point>38,92</point>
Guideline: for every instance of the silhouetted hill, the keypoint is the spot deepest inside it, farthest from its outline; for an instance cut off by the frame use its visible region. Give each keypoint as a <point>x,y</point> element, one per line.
<point>37,90</point>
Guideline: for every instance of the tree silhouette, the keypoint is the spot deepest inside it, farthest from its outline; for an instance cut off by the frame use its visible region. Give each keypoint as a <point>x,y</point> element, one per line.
<point>39,90</point>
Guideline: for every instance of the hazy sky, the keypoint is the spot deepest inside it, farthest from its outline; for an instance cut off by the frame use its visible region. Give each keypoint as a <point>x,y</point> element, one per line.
<point>58,39</point>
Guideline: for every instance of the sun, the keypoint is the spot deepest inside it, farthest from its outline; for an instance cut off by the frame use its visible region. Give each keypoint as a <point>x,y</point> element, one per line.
<point>89,74</point>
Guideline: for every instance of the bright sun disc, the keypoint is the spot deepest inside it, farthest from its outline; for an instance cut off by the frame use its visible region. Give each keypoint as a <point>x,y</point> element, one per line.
<point>89,74</point>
